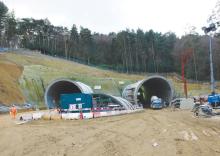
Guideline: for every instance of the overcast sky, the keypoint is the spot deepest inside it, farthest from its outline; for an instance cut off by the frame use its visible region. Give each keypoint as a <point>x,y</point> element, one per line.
<point>106,16</point>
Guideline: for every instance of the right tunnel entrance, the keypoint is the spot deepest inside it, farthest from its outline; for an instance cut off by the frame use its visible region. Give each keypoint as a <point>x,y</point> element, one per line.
<point>155,86</point>
<point>140,93</point>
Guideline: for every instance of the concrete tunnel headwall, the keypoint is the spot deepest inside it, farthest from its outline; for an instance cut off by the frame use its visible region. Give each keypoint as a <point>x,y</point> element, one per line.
<point>101,99</point>
<point>141,92</point>
<point>63,86</point>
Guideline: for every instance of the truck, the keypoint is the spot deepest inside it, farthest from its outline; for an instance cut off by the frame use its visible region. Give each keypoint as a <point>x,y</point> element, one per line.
<point>156,103</point>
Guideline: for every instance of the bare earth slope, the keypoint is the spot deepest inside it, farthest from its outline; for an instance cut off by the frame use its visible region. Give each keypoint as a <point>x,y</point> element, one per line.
<point>9,85</point>
<point>172,133</point>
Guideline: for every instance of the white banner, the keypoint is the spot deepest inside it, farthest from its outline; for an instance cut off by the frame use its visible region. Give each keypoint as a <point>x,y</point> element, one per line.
<point>72,107</point>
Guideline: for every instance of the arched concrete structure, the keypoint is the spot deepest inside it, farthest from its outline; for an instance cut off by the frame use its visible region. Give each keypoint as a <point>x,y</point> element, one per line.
<point>141,92</point>
<point>114,100</point>
<point>63,86</point>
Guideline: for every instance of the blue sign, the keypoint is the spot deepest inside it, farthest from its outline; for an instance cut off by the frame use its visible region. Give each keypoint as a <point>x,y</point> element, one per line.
<point>76,102</point>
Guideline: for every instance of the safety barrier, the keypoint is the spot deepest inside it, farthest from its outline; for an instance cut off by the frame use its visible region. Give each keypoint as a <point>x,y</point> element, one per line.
<point>90,115</point>
<point>37,115</point>
<point>71,116</point>
<point>33,115</point>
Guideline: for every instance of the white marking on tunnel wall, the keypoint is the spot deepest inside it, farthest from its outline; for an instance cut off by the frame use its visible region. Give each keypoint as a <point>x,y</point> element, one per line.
<point>121,82</point>
<point>98,87</point>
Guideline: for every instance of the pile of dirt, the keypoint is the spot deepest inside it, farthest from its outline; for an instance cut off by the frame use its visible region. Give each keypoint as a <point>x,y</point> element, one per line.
<point>9,86</point>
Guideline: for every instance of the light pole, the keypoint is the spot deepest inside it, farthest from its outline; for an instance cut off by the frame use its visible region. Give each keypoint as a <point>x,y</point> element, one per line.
<point>211,27</point>
<point>66,38</point>
<point>211,66</point>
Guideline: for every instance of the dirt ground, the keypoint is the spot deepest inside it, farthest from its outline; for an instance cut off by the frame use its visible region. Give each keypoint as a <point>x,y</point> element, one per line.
<point>152,132</point>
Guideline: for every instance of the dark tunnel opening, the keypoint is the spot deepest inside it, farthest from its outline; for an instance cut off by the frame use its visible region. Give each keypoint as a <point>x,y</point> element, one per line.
<point>56,89</point>
<point>154,87</point>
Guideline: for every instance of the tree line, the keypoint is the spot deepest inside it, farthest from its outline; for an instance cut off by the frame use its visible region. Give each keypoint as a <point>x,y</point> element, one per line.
<point>129,51</point>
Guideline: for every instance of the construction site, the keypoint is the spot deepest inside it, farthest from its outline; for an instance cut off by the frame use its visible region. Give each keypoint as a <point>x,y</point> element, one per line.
<point>109,78</point>
<point>65,108</point>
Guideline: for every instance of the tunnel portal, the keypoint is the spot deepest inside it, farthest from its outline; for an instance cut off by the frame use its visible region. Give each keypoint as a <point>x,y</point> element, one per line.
<point>63,86</point>
<point>141,92</point>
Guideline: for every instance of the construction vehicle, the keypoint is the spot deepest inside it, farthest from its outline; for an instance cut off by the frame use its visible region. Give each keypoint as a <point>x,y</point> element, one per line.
<point>214,100</point>
<point>156,103</point>
<point>204,106</point>
<point>203,110</point>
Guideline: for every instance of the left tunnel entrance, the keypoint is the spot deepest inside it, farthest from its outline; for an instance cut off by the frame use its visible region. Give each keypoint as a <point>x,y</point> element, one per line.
<point>58,87</point>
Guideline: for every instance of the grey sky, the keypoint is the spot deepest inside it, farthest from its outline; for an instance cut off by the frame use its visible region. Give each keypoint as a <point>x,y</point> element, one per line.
<point>106,16</point>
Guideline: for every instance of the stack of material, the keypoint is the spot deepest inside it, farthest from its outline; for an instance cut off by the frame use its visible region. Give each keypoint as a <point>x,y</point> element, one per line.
<point>186,103</point>
<point>55,117</point>
<point>46,116</point>
<point>52,115</point>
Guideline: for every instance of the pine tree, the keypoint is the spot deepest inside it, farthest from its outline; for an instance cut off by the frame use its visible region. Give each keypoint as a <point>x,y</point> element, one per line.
<point>10,30</point>
<point>74,41</point>
<point>3,16</point>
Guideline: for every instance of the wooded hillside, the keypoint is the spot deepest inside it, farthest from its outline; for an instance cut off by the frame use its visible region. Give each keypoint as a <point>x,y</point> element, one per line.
<point>129,51</point>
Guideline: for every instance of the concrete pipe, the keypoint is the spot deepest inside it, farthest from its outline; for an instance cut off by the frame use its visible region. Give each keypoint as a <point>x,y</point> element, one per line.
<point>63,86</point>
<point>142,91</point>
